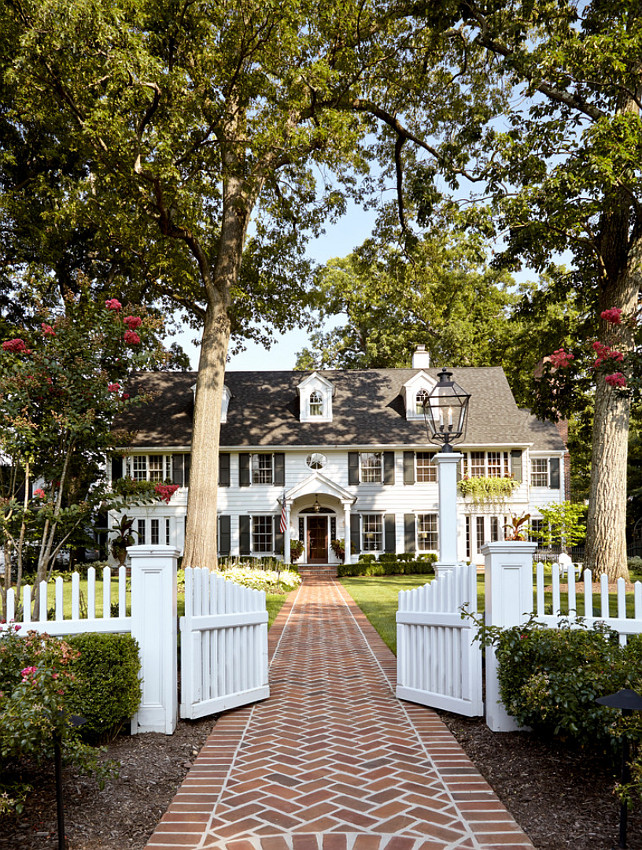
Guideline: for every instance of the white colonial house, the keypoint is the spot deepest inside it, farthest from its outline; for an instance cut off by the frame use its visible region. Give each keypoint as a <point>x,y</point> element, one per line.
<point>346,453</point>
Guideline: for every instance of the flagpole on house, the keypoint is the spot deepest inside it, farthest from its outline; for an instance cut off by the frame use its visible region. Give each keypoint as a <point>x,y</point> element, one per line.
<point>284,528</point>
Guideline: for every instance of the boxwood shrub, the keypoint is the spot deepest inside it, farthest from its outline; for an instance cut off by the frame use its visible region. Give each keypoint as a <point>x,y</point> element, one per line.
<point>106,690</point>
<point>388,568</point>
<point>549,678</point>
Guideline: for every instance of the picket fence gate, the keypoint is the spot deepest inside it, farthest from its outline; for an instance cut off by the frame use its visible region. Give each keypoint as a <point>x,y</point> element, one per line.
<point>224,654</point>
<point>438,661</point>
<point>224,651</point>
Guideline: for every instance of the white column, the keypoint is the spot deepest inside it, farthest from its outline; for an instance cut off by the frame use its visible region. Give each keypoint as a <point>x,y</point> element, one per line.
<point>286,536</point>
<point>509,602</point>
<point>153,604</point>
<point>447,464</point>
<point>346,534</point>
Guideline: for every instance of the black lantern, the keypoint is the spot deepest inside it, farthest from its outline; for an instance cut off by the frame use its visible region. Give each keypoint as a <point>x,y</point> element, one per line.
<point>445,410</point>
<point>316,506</point>
<point>627,701</point>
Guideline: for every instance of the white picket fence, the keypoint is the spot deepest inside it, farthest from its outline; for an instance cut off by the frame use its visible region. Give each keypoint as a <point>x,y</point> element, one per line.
<point>224,653</point>
<point>84,613</point>
<point>438,661</point>
<point>584,603</point>
<point>224,656</point>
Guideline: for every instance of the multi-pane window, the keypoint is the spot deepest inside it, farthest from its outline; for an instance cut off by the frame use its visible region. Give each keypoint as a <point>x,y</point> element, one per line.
<point>262,469</point>
<point>481,534</point>
<point>495,464</point>
<point>426,471</point>
<point>371,467</point>
<point>141,532</point>
<point>316,403</point>
<point>494,529</point>
<point>477,464</point>
<point>372,532</point>
<point>427,534</point>
<point>262,534</point>
<point>154,467</point>
<point>154,532</point>
<point>420,402</point>
<point>539,472</point>
<point>536,526</point>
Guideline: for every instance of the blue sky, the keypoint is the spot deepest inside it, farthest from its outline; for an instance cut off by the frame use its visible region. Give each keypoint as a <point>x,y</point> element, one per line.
<point>338,241</point>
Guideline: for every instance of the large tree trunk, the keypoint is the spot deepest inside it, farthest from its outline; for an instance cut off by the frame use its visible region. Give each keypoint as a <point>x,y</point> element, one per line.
<point>606,525</point>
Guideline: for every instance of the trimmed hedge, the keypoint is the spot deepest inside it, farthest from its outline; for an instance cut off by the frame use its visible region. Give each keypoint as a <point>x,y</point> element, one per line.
<point>387,568</point>
<point>106,690</point>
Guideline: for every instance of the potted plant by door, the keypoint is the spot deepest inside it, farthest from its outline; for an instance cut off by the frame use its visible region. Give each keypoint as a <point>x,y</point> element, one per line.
<point>124,538</point>
<point>296,549</point>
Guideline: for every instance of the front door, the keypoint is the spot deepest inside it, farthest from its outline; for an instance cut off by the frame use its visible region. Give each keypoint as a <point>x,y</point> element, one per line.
<point>317,539</point>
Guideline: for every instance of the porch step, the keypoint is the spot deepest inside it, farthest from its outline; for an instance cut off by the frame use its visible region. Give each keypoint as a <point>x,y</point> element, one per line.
<point>318,570</point>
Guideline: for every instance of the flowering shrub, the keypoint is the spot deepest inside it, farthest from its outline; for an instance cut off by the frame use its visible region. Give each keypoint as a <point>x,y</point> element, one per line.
<point>617,379</point>
<point>133,322</point>
<point>15,345</point>
<point>165,491</point>
<point>560,359</point>
<point>268,580</point>
<point>113,304</point>
<point>35,680</point>
<point>131,338</point>
<point>612,316</point>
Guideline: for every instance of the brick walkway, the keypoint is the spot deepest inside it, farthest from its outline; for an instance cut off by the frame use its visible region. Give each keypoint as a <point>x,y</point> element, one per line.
<point>333,761</point>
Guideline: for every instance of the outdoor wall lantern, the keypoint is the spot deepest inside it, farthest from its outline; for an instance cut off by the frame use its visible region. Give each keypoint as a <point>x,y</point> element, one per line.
<point>627,701</point>
<point>445,411</point>
<point>316,506</point>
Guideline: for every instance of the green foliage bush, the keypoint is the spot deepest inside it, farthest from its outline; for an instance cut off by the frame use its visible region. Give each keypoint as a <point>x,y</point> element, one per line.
<point>387,557</point>
<point>106,689</point>
<point>549,678</point>
<point>387,568</point>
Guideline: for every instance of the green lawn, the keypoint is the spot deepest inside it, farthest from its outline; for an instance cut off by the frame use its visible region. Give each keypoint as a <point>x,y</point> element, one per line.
<point>377,596</point>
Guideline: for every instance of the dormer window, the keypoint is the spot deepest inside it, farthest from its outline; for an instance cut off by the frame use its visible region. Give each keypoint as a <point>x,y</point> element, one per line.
<point>421,399</point>
<point>414,392</point>
<point>315,399</point>
<point>316,403</point>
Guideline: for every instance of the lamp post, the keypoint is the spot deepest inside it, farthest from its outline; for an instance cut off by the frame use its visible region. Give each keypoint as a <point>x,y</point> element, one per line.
<point>627,701</point>
<point>445,412</point>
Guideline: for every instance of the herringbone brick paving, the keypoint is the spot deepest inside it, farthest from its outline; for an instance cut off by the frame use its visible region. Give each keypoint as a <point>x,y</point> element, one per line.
<point>332,760</point>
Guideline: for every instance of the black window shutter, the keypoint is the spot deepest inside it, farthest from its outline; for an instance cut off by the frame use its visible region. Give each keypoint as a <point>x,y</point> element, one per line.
<point>389,533</point>
<point>554,466</point>
<point>244,470</point>
<point>188,466</point>
<point>409,544</point>
<point>279,469</point>
<point>224,535</point>
<point>516,464</point>
<point>279,537</point>
<point>355,536</point>
<point>408,467</point>
<point>388,467</point>
<point>116,468</point>
<point>224,469</point>
<point>178,463</point>
<point>244,534</point>
<point>353,467</point>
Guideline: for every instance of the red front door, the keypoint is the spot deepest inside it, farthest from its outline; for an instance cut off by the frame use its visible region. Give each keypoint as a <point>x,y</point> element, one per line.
<point>317,539</point>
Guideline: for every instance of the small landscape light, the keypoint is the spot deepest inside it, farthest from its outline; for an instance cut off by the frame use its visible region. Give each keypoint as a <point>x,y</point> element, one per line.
<point>627,701</point>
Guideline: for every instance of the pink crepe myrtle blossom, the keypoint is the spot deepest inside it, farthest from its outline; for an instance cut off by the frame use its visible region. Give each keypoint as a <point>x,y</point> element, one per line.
<point>15,345</point>
<point>165,491</point>
<point>131,338</point>
<point>133,322</point>
<point>113,388</point>
<point>617,379</point>
<point>125,396</point>
<point>39,493</point>
<point>612,316</point>
<point>561,359</point>
<point>28,671</point>
<point>605,353</point>
<point>113,304</point>
<point>47,330</point>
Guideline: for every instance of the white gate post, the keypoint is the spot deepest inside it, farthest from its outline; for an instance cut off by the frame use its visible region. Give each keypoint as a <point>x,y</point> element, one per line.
<point>447,465</point>
<point>153,602</point>
<point>509,602</point>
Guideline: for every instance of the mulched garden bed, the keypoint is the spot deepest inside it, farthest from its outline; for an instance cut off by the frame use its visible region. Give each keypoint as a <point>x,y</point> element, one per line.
<point>562,799</point>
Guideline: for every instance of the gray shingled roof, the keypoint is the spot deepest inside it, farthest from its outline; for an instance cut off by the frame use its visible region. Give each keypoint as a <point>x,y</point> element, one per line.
<point>368,408</point>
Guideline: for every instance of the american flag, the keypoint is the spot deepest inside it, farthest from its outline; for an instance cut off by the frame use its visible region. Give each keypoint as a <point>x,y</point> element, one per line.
<point>283,527</point>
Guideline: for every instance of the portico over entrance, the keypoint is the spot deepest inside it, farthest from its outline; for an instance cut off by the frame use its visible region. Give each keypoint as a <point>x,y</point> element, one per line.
<point>317,511</point>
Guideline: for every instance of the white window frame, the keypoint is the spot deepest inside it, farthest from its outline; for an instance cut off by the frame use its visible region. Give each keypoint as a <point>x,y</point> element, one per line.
<point>544,472</point>
<point>372,532</point>
<point>426,466</point>
<point>368,473</point>
<point>261,472</point>
<point>138,467</point>
<point>501,467</point>
<point>269,535</point>
<point>316,404</point>
<point>427,531</point>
